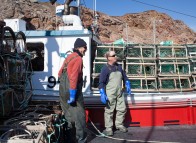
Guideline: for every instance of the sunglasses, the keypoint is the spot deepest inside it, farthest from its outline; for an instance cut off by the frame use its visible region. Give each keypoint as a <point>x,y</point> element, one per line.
<point>85,48</point>
<point>113,56</point>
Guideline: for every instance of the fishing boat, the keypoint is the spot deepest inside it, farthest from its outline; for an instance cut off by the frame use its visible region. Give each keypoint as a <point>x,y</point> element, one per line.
<point>163,77</point>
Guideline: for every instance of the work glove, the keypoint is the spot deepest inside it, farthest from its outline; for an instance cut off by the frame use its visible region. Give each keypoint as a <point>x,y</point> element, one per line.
<point>72,96</point>
<point>104,97</point>
<point>128,87</point>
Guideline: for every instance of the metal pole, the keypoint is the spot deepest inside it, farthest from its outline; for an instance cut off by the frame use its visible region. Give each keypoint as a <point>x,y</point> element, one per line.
<point>95,7</point>
<point>78,4</point>
<point>154,31</point>
<point>127,33</point>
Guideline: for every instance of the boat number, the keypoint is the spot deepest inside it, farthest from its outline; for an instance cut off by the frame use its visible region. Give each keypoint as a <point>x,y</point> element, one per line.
<point>52,81</point>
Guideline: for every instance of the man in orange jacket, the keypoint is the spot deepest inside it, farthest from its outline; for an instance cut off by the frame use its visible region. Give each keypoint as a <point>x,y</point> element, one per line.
<point>70,90</point>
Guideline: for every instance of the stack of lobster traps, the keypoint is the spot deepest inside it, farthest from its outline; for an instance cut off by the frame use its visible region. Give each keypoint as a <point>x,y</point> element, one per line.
<point>100,60</point>
<point>192,59</point>
<point>15,73</point>
<point>152,68</point>
<point>174,68</point>
<point>141,67</point>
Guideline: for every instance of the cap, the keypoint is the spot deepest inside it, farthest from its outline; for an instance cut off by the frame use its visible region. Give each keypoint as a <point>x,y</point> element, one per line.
<point>109,53</point>
<point>79,43</point>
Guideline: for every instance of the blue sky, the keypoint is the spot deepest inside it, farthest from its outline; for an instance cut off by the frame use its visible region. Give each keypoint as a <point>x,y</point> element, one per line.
<point>173,8</point>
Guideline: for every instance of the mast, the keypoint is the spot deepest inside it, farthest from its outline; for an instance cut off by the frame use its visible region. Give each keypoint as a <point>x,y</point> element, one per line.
<point>78,5</point>
<point>95,18</point>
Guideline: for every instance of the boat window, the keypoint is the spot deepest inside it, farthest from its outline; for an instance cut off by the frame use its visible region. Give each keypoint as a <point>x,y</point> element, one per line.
<point>37,55</point>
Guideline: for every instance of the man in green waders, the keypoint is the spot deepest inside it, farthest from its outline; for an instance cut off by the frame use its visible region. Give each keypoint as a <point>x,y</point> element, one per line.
<point>110,87</point>
<point>71,97</point>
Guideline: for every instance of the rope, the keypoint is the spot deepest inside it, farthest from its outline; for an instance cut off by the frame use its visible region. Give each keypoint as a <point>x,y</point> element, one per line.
<point>8,133</point>
<point>144,68</point>
<point>120,139</point>
<point>177,68</point>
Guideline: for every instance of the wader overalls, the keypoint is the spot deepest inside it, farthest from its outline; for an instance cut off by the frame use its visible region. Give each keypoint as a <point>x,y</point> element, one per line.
<point>74,113</point>
<point>116,100</point>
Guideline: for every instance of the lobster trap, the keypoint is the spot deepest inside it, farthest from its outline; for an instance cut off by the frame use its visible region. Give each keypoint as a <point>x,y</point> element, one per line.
<point>139,68</point>
<point>101,50</point>
<point>15,72</point>
<point>98,64</point>
<point>143,84</point>
<point>194,82</point>
<point>174,68</point>
<point>193,67</point>
<point>141,51</point>
<point>97,67</point>
<point>192,52</point>
<point>7,40</point>
<point>192,57</point>
<point>172,52</point>
<point>170,84</point>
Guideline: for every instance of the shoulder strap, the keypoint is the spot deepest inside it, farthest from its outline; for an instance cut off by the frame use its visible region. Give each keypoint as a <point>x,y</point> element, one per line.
<point>65,66</point>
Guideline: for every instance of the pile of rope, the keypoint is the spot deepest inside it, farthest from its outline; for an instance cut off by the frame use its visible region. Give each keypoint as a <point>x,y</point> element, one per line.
<point>34,124</point>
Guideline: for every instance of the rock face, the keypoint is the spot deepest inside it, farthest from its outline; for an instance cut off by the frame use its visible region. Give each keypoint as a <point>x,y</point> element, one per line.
<point>137,27</point>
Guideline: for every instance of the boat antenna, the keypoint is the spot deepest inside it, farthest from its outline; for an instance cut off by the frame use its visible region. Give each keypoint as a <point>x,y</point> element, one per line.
<point>78,5</point>
<point>95,18</point>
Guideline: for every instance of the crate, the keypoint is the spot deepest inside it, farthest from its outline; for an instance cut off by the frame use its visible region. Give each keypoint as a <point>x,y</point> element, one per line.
<point>172,84</point>
<point>28,134</point>
<point>143,84</point>
<point>174,68</point>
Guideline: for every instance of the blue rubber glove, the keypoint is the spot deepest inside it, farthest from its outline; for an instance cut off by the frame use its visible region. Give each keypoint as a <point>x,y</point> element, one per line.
<point>128,87</point>
<point>72,96</point>
<point>104,97</point>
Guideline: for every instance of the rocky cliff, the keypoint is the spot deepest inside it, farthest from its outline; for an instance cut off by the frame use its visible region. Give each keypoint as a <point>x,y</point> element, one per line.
<point>137,27</point>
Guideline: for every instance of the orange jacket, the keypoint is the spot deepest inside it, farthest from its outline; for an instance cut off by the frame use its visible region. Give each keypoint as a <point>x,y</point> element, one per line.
<point>74,69</point>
